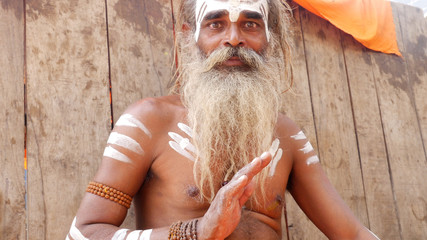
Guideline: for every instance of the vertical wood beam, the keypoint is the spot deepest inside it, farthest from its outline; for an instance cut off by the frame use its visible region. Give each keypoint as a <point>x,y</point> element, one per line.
<point>68,108</point>
<point>298,106</point>
<point>12,128</point>
<point>338,150</point>
<point>404,143</point>
<point>372,149</point>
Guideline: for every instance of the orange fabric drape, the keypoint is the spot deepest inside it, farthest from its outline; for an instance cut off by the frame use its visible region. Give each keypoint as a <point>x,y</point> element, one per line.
<point>369,21</point>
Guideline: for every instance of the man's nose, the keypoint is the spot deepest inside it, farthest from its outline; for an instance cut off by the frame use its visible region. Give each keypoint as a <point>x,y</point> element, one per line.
<point>234,37</point>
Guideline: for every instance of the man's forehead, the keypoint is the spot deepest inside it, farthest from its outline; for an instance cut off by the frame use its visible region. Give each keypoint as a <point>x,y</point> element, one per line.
<point>233,7</point>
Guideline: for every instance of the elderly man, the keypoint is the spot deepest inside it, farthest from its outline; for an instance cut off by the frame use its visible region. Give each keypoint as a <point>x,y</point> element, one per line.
<point>213,160</point>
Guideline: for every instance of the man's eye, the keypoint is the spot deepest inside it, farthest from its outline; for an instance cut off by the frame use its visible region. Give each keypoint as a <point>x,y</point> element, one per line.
<point>251,25</point>
<point>214,25</point>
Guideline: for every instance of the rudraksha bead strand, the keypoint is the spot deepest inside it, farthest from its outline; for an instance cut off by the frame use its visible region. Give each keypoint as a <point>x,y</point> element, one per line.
<point>110,193</point>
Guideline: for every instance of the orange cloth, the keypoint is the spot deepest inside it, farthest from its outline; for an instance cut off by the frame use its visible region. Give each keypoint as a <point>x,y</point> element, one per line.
<point>369,21</point>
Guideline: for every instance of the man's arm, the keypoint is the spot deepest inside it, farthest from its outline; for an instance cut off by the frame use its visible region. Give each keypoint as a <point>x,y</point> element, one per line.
<point>316,196</point>
<point>126,160</point>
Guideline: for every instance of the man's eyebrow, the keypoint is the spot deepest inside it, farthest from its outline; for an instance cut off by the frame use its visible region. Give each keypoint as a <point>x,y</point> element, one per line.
<point>252,15</point>
<point>215,15</point>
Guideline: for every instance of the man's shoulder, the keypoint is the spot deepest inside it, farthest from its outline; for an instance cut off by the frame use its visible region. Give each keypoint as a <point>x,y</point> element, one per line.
<point>286,126</point>
<point>157,111</point>
<point>155,106</point>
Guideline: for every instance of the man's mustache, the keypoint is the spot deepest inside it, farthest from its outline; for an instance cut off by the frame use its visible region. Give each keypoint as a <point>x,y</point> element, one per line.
<point>248,56</point>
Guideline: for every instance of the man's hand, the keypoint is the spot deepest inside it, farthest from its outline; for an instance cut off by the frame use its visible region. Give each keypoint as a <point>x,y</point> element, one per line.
<point>224,214</point>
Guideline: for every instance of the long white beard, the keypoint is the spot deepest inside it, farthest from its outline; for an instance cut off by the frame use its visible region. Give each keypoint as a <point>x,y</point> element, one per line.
<point>232,111</point>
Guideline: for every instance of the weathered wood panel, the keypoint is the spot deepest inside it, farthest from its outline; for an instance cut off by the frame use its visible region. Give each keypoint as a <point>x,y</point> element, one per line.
<point>405,152</point>
<point>297,106</point>
<point>370,137</point>
<point>68,108</point>
<point>12,182</point>
<point>141,47</point>
<point>414,41</point>
<point>141,54</point>
<point>333,111</point>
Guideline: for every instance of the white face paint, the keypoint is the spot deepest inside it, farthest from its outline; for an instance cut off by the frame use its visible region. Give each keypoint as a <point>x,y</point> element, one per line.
<point>128,120</point>
<point>75,232</point>
<point>312,160</point>
<point>125,142</point>
<point>307,148</point>
<point>234,8</point>
<point>114,154</point>
<point>182,144</point>
<point>276,154</point>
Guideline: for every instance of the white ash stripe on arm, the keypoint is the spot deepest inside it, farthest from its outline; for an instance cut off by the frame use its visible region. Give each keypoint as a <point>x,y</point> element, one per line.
<point>120,234</point>
<point>307,148</point>
<point>134,235</point>
<point>186,129</point>
<point>312,160</point>
<point>130,121</point>
<point>146,234</point>
<point>75,232</point>
<point>125,142</point>
<point>114,154</point>
<point>300,136</point>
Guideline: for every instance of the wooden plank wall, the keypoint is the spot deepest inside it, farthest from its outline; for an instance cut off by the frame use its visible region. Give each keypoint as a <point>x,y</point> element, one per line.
<point>364,111</point>
<point>12,127</point>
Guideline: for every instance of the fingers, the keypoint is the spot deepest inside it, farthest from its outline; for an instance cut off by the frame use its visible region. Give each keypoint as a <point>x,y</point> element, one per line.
<point>254,167</point>
<point>236,187</point>
<point>241,186</point>
<point>248,190</point>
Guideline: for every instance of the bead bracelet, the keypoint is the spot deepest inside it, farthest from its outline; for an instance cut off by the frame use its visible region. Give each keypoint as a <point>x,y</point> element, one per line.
<point>178,230</point>
<point>110,193</point>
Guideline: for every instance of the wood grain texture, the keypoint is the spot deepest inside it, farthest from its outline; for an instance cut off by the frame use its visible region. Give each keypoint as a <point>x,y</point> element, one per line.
<point>372,149</point>
<point>68,108</point>
<point>405,150</point>
<point>141,51</point>
<point>12,182</point>
<point>141,48</point>
<point>297,106</point>
<point>414,44</point>
<point>332,109</point>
